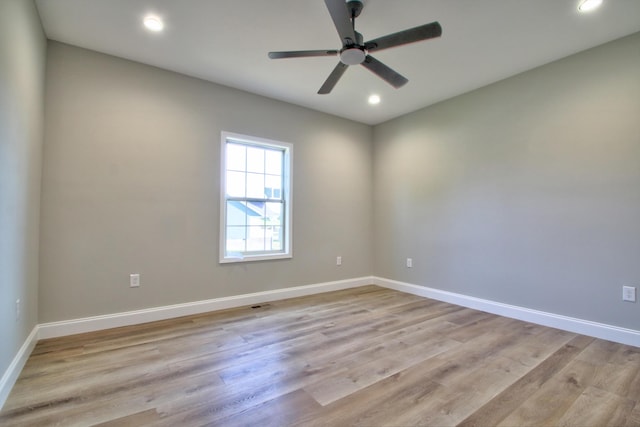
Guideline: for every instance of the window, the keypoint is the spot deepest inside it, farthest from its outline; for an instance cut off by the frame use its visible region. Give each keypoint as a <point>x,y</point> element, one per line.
<point>255,199</point>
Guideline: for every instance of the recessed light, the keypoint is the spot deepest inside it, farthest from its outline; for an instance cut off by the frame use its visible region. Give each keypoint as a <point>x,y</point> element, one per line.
<point>589,5</point>
<point>374,99</point>
<point>153,23</point>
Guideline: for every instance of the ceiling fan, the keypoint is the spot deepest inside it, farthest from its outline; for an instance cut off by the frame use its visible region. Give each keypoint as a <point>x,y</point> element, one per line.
<point>354,51</point>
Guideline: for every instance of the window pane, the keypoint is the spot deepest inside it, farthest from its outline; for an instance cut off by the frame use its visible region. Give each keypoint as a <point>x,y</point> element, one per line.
<point>255,185</point>
<point>255,239</point>
<point>255,213</point>
<point>274,213</point>
<point>236,157</point>
<point>276,238</point>
<point>255,159</point>
<point>236,184</point>
<point>236,238</point>
<point>273,162</point>
<point>237,213</point>
<point>273,186</point>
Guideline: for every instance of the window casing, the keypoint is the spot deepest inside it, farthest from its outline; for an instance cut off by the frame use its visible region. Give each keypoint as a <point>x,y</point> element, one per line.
<point>255,218</point>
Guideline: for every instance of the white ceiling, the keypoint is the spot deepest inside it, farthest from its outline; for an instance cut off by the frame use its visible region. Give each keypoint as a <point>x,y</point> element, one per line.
<point>227,42</point>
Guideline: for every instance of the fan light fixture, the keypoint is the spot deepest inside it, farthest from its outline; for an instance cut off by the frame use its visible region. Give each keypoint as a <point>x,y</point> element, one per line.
<point>153,23</point>
<point>589,5</point>
<point>352,56</point>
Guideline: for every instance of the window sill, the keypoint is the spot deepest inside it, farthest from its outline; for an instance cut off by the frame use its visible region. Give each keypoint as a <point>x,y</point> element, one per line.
<point>250,258</point>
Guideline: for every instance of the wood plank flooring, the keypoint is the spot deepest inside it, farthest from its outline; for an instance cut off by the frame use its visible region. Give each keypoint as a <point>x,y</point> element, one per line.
<point>360,357</point>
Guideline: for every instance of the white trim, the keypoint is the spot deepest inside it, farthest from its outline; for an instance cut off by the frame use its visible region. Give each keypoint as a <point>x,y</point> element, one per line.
<point>571,324</point>
<point>96,323</point>
<point>13,371</point>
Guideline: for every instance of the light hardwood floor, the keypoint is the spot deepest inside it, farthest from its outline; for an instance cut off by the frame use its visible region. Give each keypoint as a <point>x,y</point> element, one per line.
<point>367,356</point>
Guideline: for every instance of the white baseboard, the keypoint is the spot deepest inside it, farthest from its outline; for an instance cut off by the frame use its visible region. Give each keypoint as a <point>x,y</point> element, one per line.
<point>571,324</point>
<point>13,371</point>
<point>96,323</point>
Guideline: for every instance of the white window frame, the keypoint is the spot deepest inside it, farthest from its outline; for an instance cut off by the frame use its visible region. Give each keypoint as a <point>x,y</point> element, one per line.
<point>286,251</point>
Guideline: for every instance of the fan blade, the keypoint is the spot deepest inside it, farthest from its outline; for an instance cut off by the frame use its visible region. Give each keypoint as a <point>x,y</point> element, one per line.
<point>333,78</point>
<point>423,32</point>
<point>302,53</point>
<point>341,19</point>
<point>393,78</point>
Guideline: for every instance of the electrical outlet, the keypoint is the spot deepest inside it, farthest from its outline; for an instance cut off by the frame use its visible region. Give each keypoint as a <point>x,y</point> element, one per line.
<point>409,263</point>
<point>134,280</point>
<point>629,293</point>
<point>17,309</point>
<point>339,260</point>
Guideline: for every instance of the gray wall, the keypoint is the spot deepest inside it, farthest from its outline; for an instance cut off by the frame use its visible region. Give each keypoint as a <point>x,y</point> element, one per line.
<point>22,68</point>
<point>131,185</point>
<point>525,192</point>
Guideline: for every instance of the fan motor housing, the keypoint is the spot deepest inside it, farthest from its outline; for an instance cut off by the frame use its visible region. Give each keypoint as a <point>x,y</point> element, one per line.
<point>352,56</point>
